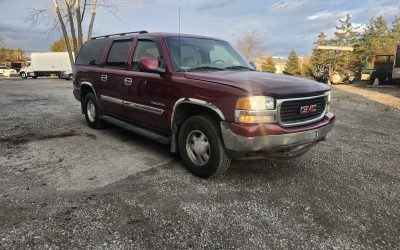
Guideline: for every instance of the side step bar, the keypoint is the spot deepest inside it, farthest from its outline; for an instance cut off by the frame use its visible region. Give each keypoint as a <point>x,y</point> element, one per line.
<point>138,130</point>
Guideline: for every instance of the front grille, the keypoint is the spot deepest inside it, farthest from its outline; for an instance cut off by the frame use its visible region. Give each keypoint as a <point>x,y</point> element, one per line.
<point>290,110</point>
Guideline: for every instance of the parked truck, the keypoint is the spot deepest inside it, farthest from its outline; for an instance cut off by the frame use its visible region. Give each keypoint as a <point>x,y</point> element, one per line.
<point>378,67</point>
<point>382,68</point>
<point>46,64</point>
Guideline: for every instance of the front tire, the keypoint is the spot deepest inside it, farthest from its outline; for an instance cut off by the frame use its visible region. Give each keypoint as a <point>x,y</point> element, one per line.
<point>201,147</point>
<point>23,75</point>
<point>92,111</point>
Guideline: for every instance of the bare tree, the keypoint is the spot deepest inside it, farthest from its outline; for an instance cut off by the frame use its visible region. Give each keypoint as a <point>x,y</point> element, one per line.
<point>71,15</point>
<point>64,30</point>
<point>92,19</point>
<point>249,44</point>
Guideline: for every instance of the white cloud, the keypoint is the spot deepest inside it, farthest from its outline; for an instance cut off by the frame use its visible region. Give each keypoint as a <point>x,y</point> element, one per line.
<point>288,5</point>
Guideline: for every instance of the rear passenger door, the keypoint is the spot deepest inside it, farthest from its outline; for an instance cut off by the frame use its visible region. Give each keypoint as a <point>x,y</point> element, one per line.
<point>113,78</point>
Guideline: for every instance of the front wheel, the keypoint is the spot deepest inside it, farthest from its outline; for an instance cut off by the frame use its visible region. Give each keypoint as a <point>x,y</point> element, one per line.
<point>23,75</point>
<point>92,111</point>
<point>201,147</point>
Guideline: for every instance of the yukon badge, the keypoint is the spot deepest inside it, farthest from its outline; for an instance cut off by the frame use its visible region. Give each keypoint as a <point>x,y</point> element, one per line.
<point>308,109</point>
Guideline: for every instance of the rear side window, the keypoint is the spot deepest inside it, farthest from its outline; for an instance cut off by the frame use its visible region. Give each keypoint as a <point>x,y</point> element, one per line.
<point>91,52</point>
<point>118,53</point>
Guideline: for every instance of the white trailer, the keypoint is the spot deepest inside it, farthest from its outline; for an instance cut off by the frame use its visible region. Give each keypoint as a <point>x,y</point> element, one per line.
<point>396,64</point>
<point>46,64</point>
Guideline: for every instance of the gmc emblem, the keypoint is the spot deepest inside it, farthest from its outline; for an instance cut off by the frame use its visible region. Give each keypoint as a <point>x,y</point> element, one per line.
<point>308,109</point>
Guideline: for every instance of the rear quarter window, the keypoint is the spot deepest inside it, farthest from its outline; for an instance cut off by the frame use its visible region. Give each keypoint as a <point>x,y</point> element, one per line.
<point>91,52</point>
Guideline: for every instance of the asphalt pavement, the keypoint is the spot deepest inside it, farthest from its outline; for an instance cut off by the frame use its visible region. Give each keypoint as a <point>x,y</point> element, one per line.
<point>64,185</point>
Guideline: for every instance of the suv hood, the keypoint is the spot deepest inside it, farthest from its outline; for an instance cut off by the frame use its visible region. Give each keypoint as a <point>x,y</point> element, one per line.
<point>259,83</point>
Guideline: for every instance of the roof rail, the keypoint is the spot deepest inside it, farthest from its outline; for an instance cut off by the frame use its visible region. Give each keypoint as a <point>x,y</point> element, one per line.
<point>121,34</point>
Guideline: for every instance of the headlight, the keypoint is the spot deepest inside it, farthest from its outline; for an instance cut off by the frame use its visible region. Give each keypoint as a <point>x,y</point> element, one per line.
<point>256,103</point>
<point>255,109</point>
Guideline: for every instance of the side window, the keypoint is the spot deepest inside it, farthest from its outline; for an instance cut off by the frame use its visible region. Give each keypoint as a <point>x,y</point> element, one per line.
<point>91,52</point>
<point>145,48</point>
<point>118,53</point>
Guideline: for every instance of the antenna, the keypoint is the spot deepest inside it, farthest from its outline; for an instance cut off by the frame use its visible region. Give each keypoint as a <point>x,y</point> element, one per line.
<point>179,37</point>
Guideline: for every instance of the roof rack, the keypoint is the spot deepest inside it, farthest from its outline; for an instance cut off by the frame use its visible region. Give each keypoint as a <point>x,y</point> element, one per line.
<point>122,34</point>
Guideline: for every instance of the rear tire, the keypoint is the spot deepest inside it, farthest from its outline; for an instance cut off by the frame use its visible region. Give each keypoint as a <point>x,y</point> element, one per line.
<point>92,111</point>
<point>201,147</point>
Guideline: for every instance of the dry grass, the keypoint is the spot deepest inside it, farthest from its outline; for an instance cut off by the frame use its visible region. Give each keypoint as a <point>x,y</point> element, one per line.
<point>382,98</point>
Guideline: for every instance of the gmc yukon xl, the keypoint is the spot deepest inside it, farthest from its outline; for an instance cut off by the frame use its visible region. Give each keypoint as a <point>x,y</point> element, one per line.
<point>199,96</point>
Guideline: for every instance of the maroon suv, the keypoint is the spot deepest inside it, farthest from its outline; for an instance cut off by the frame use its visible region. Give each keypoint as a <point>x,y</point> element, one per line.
<point>201,97</point>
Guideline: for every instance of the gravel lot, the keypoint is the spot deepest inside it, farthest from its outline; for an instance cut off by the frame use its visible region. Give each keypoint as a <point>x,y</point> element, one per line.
<point>64,185</point>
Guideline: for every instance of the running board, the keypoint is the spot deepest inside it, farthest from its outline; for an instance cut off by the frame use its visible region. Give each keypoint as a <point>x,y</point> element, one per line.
<point>138,130</point>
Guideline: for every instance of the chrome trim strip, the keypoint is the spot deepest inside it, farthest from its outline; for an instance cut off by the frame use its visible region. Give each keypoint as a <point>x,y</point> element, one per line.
<point>112,99</point>
<point>144,108</point>
<point>280,101</point>
<point>133,105</point>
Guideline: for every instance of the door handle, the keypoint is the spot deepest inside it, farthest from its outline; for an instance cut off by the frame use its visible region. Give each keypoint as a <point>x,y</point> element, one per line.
<point>128,81</point>
<point>103,78</point>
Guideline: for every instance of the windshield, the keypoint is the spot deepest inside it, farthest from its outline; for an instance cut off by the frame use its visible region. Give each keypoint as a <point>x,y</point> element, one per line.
<point>199,54</point>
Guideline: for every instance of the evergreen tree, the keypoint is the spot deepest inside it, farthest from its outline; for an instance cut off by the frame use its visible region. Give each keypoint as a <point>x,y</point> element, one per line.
<point>377,38</point>
<point>319,56</point>
<point>394,32</point>
<point>268,65</point>
<point>292,66</point>
<point>346,35</point>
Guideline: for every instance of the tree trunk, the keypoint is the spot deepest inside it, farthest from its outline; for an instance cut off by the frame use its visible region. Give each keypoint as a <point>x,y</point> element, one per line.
<point>79,23</point>
<point>64,30</point>
<point>92,19</point>
<point>69,5</point>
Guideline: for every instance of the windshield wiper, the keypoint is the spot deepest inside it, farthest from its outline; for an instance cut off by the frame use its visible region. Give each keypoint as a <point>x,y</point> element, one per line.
<point>204,68</point>
<point>239,67</point>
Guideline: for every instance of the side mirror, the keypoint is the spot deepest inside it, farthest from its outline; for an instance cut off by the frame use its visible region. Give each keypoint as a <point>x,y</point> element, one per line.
<point>147,64</point>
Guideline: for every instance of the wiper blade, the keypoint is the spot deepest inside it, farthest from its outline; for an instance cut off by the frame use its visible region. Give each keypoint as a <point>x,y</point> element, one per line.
<point>204,68</point>
<point>239,67</point>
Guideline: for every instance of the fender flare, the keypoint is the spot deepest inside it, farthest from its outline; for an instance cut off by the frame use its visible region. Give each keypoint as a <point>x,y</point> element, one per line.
<point>94,91</point>
<point>195,101</point>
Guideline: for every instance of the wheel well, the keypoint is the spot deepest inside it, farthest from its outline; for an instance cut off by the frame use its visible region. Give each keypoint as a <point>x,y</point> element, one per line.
<point>186,110</point>
<point>182,113</point>
<point>85,89</point>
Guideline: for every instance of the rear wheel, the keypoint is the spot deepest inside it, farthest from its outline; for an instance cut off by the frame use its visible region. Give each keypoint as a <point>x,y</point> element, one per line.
<point>201,147</point>
<point>92,111</point>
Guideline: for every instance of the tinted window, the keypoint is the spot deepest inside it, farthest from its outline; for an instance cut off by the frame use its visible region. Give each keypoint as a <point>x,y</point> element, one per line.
<point>145,48</point>
<point>397,63</point>
<point>118,53</point>
<point>91,52</point>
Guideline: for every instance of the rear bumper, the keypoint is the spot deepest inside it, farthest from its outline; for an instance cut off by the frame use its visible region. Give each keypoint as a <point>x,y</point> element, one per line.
<point>275,145</point>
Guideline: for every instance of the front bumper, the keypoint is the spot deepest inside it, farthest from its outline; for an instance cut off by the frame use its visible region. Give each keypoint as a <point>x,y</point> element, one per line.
<point>276,146</point>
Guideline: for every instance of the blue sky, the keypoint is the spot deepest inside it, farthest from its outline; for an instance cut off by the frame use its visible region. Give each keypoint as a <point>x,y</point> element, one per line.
<point>281,25</point>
